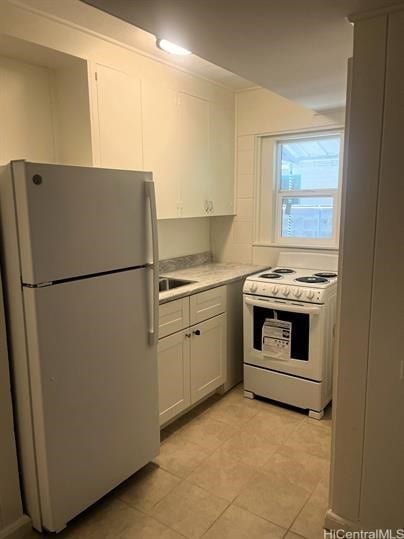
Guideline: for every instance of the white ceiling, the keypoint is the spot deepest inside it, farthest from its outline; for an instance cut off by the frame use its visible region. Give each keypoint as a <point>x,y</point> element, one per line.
<point>296,48</point>
<point>87,17</point>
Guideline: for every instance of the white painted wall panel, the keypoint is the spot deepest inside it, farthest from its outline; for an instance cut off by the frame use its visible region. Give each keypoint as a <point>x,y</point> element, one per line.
<point>382,504</point>
<point>10,498</point>
<point>357,261</point>
<point>180,237</point>
<point>26,112</point>
<point>258,112</point>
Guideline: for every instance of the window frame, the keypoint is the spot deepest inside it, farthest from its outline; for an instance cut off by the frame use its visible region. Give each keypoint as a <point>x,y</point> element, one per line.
<point>269,231</point>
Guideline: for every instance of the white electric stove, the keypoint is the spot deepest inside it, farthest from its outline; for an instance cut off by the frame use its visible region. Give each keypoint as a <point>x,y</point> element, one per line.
<point>289,320</point>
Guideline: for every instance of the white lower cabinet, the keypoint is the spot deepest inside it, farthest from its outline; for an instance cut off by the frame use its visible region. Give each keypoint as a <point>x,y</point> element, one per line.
<point>208,356</point>
<point>192,361</point>
<point>174,375</point>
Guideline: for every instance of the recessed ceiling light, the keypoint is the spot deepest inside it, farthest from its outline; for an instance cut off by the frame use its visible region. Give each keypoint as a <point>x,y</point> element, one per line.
<point>171,48</point>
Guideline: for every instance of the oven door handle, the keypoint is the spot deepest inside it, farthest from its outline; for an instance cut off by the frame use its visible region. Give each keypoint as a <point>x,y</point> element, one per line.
<point>307,309</point>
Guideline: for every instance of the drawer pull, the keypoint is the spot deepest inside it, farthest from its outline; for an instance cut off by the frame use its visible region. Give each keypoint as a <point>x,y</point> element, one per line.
<point>196,332</point>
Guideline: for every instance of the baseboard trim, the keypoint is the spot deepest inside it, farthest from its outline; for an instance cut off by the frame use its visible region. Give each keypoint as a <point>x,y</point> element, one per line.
<point>18,529</point>
<point>335,522</point>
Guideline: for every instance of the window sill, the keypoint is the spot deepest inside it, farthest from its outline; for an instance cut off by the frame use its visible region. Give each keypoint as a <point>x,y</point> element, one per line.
<point>297,246</point>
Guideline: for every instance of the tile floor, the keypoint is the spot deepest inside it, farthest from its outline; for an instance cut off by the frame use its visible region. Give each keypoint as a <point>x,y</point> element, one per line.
<point>231,468</point>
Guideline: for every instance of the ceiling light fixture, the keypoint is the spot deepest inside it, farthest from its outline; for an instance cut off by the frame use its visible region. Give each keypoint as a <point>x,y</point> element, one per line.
<point>171,48</point>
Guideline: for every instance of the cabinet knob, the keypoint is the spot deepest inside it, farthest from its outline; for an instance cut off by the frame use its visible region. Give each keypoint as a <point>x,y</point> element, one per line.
<point>197,332</point>
<point>188,335</point>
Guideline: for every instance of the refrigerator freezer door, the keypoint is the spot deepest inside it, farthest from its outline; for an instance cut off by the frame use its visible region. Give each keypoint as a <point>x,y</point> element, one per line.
<point>75,221</point>
<point>94,388</point>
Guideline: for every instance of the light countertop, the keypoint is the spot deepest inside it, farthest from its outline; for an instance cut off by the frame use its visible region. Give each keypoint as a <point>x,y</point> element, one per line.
<point>206,276</point>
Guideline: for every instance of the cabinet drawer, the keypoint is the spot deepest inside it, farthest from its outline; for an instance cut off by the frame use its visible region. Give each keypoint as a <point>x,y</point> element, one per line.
<point>173,316</point>
<point>207,304</point>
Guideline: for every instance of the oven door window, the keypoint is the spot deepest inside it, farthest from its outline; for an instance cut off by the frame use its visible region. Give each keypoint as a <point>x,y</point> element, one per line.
<point>300,330</point>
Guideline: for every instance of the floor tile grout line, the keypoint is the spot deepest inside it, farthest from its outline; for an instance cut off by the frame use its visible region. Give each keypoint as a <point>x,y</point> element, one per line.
<point>303,506</point>
<point>156,503</point>
<point>181,480</point>
<point>187,480</point>
<point>201,488</point>
<point>169,527</point>
<point>224,510</point>
<point>260,516</point>
<point>199,417</point>
<point>148,515</point>
<point>209,491</point>
<point>221,443</point>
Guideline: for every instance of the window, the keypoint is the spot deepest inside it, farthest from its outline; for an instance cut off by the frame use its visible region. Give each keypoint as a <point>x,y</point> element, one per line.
<point>304,176</point>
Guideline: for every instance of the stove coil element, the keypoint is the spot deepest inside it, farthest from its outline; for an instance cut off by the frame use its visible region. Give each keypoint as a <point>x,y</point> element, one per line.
<point>271,276</point>
<point>284,270</point>
<point>325,274</point>
<point>312,279</point>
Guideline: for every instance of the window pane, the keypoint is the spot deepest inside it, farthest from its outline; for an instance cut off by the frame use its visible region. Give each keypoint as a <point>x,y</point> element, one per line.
<point>307,217</point>
<point>310,163</point>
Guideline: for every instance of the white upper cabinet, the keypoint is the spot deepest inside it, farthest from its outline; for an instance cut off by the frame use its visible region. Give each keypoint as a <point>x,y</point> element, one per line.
<point>161,145</point>
<point>57,107</point>
<point>194,155</point>
<point>118,138</point>
<point>222,141</point>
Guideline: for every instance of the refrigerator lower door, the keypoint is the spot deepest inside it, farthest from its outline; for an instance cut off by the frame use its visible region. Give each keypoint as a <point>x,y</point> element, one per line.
<point>94,389</point>
<point>76,221</point>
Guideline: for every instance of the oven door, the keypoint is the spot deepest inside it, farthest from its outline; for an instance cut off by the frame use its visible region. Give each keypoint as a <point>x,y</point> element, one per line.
<point>284,336</point>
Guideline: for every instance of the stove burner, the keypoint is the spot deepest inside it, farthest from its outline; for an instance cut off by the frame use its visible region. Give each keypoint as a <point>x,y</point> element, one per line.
<point>283,270</point>
<point>312,279</point>
<point>327,275</point>
<point>271,276</point>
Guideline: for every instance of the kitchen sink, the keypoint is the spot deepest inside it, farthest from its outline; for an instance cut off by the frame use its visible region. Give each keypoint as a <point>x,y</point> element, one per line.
<point>165,283</point>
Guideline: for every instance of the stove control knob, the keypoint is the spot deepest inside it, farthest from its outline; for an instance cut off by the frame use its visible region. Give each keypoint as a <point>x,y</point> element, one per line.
<point>286,291</point>
<point>275,289</point>
<point>310,294</point>
<point>298,292</point>
<point>253,288</point>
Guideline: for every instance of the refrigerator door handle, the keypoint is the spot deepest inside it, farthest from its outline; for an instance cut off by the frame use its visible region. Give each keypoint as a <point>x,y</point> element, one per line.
<point>153,262</point>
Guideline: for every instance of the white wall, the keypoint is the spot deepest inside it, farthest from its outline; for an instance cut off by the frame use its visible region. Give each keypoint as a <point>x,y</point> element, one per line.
<point>11,516</point>
<point>71,108</point>
<point>26,127</point>
<point>258,112</point>
<point>179,237</point>
<point>367,472</point>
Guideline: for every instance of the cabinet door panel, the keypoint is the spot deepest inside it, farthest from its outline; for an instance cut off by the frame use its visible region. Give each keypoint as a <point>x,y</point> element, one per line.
<point>161,146</point>
<point>208,357</point>
<point>222,158</point>
<point>119,119</point>
<point>174,375</point>
<point>194,154</point>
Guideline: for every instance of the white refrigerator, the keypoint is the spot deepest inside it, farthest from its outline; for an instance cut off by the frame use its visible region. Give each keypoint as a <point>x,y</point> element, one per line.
<point>80,260</point>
